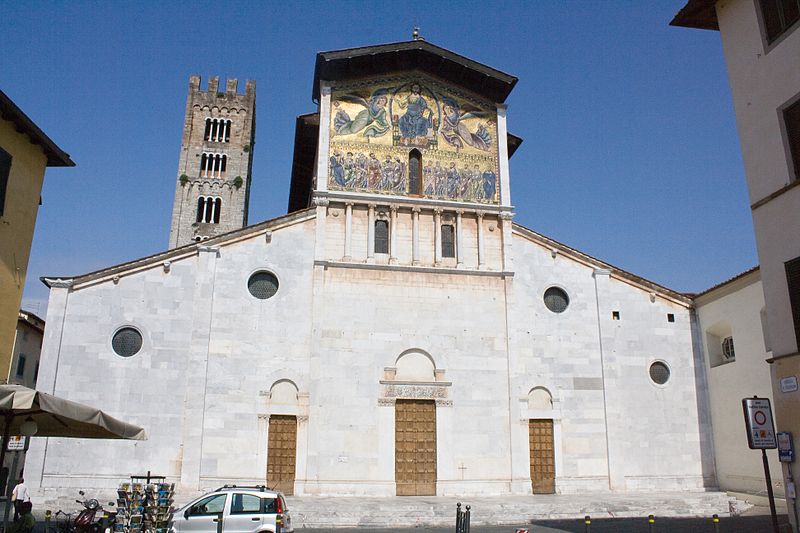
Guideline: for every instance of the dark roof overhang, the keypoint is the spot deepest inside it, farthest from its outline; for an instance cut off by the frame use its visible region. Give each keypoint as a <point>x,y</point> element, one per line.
<point>306,137</point>
<point>700,14</point>
<point>420,55</point>
<point>56,157</point>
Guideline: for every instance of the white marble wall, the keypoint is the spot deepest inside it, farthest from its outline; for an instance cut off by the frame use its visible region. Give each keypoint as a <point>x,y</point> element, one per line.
<point>201,384</point>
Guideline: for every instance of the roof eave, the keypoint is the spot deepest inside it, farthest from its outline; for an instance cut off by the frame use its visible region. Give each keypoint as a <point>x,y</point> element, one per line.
<point>504,83</point>
<point>56,157</point>
<point>698,14</point>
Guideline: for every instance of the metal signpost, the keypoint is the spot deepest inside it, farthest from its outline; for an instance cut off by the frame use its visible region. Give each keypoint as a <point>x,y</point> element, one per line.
<point>761,436</point>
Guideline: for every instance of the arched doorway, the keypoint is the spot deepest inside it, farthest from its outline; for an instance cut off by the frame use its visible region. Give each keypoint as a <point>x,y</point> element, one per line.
<point>540,438</point>
<point>415,429</point>
<point>282,440</point>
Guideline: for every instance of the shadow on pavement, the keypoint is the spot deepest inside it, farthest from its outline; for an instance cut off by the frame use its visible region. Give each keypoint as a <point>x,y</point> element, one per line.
<point>739,524</point>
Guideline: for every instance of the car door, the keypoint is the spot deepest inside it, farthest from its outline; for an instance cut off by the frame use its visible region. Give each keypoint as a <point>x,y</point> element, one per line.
<point>245,513</point>
<point>203,516</point>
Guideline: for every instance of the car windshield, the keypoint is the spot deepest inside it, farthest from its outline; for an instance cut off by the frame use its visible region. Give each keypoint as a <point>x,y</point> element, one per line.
<point>209,505</point>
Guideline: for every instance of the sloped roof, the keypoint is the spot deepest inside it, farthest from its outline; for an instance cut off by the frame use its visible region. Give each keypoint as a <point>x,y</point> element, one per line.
<point>56,157</point>
<point>421,55</point>
<point>614,271</point>
<point>727,282</point>
<point>181,251</point>
<point>307,214</point>
<point>700,14</point>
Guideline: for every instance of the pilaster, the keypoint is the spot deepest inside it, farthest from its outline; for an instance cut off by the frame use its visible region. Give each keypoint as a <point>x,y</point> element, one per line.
<point>48,371</point>
<point>197,367</point>
<point>371,233</point>
<point>459,239</point>
<point>348,231</point>
<point>393,235</point>
<point>323,150</point>
<point>502,148</point>
<point>437,236</point>
<point>415,235</point>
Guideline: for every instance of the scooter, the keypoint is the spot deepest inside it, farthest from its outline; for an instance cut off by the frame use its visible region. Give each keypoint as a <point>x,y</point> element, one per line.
<point>93,518</point>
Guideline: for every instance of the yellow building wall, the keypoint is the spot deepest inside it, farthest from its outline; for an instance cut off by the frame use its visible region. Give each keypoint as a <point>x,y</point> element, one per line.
<point>24,189</point>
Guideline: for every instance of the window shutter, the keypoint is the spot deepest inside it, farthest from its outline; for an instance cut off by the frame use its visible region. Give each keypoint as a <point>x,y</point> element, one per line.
<point>5,170</point>
<point>793,285</point>
<point>791,117</point>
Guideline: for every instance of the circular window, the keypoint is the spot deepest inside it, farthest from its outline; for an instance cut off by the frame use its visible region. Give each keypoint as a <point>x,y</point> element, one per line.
<point>659,373</point>
<point>263,285</point>
<point>126,342</point>
<point>556,299</point>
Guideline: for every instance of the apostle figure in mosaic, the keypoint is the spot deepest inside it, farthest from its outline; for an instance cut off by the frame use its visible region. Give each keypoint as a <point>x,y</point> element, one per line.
<point>372,119</point>
<point>489,184</point>
<point>456,133</point>
<point>417,119</point>
<point>337,170</point>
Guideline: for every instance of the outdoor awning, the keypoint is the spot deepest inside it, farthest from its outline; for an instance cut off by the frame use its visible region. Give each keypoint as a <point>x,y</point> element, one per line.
<point>57,417</point>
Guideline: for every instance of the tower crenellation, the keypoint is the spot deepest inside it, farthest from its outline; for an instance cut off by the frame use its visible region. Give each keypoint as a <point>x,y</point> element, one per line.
<point>212,188</point>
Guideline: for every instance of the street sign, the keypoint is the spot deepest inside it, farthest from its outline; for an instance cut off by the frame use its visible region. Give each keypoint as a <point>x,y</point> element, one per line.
<point>758,421</point>
<point>785,447</point>
<point>789,384</point>
<point>16,443</point>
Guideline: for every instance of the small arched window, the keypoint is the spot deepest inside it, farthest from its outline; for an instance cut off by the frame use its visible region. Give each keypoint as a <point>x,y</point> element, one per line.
<point>415,172</point>
<point>381,237</point>
<point>217,209</point>
<point>448,240</point>
<point>207,134</point>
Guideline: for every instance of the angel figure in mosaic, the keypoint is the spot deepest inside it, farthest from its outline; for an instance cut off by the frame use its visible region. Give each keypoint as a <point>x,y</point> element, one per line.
<point>371,119</point>
<point>456,133</point>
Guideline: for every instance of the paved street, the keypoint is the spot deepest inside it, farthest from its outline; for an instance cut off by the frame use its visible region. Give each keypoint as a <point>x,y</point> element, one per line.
<point>741,524</point>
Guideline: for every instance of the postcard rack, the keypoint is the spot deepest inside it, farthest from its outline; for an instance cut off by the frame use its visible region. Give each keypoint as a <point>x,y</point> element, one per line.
<point>144,505</point>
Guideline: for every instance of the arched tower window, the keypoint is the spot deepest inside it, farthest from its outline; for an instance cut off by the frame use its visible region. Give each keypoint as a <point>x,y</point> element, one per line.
<point>213,165</point>
<point>209,209</point>
<point>381,237</point>
<point>217,130</point>
<point>415,172</point>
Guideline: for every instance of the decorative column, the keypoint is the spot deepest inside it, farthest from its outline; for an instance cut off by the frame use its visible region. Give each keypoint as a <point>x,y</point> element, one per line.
<point>481,254</point>
<point>504,220</point>
<point>459,240</point>
<point>415,235</point>
<point>437,237</point>
<point>393,235</point>
<point>371,234</point>
<point>348,231</point>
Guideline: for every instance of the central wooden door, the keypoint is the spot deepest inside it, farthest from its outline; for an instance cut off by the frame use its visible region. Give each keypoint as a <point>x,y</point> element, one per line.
<point>543,460</point>
<point>415,447</point>
<point>282,453</point>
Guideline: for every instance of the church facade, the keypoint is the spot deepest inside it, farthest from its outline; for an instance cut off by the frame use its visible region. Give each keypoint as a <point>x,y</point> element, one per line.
<point>396,333</point>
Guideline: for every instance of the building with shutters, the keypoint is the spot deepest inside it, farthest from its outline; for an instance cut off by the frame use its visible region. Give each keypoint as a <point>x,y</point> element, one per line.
<point>761,43</point>
<point>396,333</point>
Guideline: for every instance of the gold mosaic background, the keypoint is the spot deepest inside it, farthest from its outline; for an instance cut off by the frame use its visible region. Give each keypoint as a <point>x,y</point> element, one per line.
<point>376,125</point>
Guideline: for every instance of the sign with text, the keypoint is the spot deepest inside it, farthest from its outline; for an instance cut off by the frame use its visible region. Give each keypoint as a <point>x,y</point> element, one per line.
<point>785,447</point>
<point>16,443</point>
<point>758,421</point>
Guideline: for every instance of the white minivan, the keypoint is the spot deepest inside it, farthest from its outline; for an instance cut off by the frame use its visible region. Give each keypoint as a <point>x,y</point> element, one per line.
<point>232,509</point>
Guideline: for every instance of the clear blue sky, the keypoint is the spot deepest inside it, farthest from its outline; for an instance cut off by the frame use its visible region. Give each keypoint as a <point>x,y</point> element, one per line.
<point>630,149</point>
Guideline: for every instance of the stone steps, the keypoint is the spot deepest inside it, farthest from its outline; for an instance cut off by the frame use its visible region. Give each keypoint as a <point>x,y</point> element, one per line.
<point>320,512</point>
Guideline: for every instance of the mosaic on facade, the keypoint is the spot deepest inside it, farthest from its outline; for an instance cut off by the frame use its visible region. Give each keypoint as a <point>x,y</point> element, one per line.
<point>413,137</point>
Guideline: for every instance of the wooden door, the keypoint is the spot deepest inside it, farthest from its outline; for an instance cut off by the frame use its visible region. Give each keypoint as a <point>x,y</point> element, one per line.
<point>282,453</point>
<point>543,460</point>
<point>415,447</point>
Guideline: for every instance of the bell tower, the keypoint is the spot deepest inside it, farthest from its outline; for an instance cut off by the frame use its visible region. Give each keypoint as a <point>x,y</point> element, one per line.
<point>212,189</point>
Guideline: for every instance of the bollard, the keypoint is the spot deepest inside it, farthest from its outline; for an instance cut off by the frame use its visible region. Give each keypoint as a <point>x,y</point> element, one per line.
<point>588,521</point>
<point>48,515</point>
<point>466,521</point>
<point>715,519</point>
<point>651,520</point>
<point>458,517</point>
